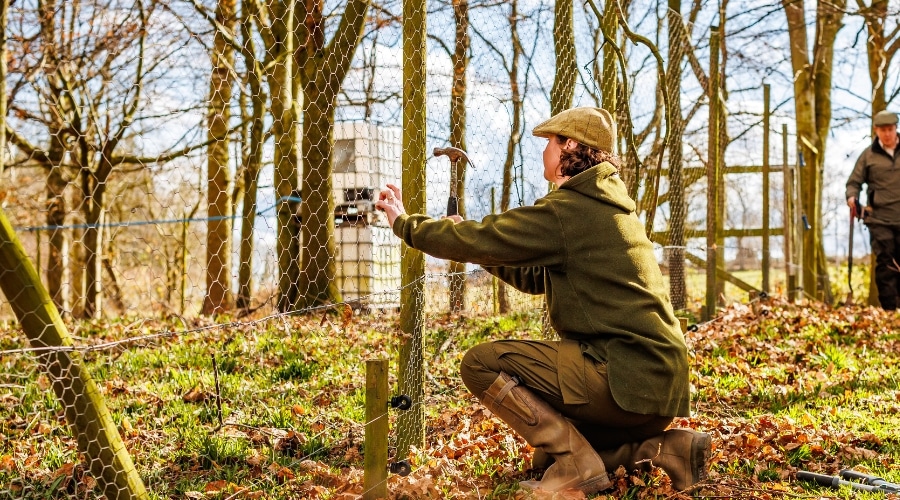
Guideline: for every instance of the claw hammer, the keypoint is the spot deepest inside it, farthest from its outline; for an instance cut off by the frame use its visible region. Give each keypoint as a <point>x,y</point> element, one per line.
<point>454,154</point>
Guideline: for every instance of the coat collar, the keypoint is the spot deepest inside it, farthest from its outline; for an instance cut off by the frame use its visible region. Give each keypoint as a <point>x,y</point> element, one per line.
<point>877,148</point>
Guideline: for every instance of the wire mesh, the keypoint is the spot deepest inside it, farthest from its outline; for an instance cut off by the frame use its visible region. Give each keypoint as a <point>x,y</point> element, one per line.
<point>194,183</point>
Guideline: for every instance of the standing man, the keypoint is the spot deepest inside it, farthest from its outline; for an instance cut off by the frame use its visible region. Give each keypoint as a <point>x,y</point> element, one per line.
<point>879,168</point>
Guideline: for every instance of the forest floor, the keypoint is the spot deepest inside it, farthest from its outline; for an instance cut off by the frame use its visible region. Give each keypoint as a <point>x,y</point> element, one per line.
<point>780,387</point>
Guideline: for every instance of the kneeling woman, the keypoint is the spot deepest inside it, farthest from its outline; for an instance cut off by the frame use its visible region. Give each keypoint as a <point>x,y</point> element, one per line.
<point>604,395</point>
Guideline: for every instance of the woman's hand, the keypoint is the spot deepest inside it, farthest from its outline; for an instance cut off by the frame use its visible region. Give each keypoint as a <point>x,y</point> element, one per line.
<point>390,201</point>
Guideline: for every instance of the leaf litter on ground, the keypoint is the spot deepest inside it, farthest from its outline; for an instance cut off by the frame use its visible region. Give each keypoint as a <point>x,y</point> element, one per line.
<point>781,387</point>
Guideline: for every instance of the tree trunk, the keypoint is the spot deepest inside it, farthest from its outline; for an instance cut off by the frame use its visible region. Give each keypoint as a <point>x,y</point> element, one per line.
<point>515,135</point>
<point>612,100</point>
<point>76,265</point>
<point>171,273</point>
<point>609,79</point>
<point>880,52</point>
<point>58,254</point>
<point>317,275</point>
<point>56,183</point>
<point>563,90</point>
<point>182,269</point>
<point>677,208</point>
<point>812,96</point>
<point>712,177</point>
<point>722,145</point>
<point>410,365</point>
<point>218,189</point>
<point>285,116</point>
<point>323,69</point>
<point>457,270</point>
<point>251,172</point>
<point>93,192</point>
<point>116,297</point>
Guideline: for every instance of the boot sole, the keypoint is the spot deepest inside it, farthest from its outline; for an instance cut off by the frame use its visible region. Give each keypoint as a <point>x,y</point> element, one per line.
<point>701,449</point>
<point>589,487</point>
<point>595,485</point>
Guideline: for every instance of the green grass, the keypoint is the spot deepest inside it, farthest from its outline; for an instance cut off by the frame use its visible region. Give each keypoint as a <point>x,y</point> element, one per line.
<point>798,388</point>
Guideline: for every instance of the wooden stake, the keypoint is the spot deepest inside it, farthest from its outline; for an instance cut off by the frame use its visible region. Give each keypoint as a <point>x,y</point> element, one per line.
<point>376,439</point>
<point>495,283</point>
<point>765,186</point>
<point>788,218</point>
<point>712,175</point>
<point>85,410</point>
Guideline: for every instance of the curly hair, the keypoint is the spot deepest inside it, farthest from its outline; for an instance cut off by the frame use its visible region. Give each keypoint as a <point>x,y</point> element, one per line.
<point>574,161</point>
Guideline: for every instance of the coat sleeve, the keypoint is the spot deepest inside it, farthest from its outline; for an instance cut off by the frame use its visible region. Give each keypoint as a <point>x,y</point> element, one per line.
<point>857,177</point>
<point>521,237</point>
<point>524,279</point>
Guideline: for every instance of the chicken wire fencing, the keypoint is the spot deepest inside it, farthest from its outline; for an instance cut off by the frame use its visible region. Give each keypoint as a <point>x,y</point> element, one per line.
<point>191,232</point>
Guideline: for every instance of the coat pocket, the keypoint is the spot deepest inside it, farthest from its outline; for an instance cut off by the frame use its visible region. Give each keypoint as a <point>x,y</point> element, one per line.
<point>571,364</point>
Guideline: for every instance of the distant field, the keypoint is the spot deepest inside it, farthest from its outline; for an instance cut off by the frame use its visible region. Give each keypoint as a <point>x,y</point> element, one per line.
<point>837,274</point>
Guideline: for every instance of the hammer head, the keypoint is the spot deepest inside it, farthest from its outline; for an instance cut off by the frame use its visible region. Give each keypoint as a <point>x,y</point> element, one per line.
<point>453,153</point>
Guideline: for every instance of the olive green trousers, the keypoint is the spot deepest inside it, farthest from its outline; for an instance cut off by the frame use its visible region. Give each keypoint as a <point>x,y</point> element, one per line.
<point>559,373</point>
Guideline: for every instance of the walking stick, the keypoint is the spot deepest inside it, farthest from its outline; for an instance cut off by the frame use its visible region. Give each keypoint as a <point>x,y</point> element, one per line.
<point>855,213</point>
<point>850,258</point>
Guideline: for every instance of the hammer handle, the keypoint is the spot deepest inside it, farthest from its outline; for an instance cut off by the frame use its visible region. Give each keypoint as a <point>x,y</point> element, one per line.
<point>452,205</point>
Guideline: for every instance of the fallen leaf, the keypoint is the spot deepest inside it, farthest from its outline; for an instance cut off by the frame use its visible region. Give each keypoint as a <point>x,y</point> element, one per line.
<point>291,444</point>
<point>64,470</point>
<point>214,487</point>
<point>194,395</point>
<point>346,317</point>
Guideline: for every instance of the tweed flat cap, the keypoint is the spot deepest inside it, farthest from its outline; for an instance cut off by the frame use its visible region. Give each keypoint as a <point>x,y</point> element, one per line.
<point>593,127</point>
<point>884,118</point>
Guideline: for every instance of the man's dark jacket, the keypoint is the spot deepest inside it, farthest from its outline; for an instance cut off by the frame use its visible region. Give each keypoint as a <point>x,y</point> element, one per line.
<point>881,174</point>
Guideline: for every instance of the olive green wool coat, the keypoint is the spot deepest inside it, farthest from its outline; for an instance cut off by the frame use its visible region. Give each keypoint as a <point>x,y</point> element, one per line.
<point>582,246</point>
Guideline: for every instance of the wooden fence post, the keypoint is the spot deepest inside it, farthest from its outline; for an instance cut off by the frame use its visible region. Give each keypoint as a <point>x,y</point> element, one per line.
<point>495,283</point>
<point>78,394</point>
<point>788,218</point>
<point>765,186</point>
<point>411,424</point>
<point>376,439</point>
<point>800,221</point>
<point>712,176</point>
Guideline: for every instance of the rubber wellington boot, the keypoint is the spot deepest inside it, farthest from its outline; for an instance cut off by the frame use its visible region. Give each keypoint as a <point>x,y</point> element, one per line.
<point>682,453</point>
<point>540,459</point>
<point>576,464</point>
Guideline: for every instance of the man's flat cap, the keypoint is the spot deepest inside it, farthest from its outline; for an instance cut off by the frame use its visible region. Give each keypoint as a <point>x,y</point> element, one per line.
<point>884,118</point>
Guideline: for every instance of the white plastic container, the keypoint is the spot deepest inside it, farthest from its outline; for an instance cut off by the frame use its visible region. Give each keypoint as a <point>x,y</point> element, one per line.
<point>366,157</point>
<point>368,266</point>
